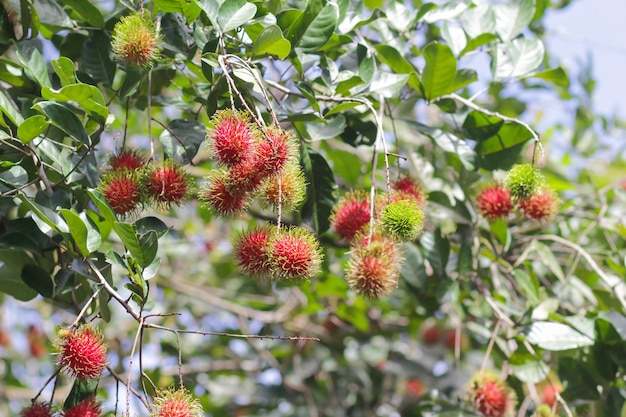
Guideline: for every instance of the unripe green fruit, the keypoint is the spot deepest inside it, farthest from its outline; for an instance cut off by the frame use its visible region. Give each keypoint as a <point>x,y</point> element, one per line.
<point>523,180</point>
<point>402,220</point>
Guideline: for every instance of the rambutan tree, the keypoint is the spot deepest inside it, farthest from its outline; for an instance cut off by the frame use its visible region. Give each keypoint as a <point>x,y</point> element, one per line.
<point>305,208</point>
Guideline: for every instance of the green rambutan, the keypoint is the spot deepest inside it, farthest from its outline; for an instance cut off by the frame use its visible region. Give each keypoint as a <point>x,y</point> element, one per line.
<point>402,219</point>
<point>291,183</point>
<point>136,40</point>
<point>523,180</point>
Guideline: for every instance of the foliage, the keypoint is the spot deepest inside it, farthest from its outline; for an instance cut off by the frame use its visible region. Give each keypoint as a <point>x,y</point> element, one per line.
<point>372,90</point>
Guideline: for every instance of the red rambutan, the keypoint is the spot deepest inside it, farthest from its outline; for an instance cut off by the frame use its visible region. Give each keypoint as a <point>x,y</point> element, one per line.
<point>273,150</point>
<point>494,201</point>
<point>85,408</point>
<point>122,191</point>
<point>294,254</point>
<point>129,159</point>
<point>250,250</point>
<point>220,198</point>
<point>543,204</point>
<point>244,177</point>
<point>179,403</point>
<point>351,214</point>
<point>83,352</point>
<point>167,183</point>
<point>408,186</point>
<point>373,268</point>
<point>231,135</point>
<point>37,409</point>
<point>491,396</point>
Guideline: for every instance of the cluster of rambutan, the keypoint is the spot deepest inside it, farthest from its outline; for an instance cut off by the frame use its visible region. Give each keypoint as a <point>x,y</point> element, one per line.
<point>89,407</point>
<point>525,189</point>
<point>130,183</point>
<point>375,250</point>
<point>260,163</point>
<point>490,395</point>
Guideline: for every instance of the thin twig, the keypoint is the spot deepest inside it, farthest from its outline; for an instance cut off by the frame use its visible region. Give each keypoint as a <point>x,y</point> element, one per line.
<point>85,307</point>
<point>111,290</point>
<point>239,336</point>
<point>490,346</point>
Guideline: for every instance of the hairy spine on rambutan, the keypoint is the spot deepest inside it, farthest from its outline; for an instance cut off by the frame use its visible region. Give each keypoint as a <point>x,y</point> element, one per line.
<point>373,267</point>
<point>494,201</point>
<point>176,403</point>
<point>250,249</point>
<point>294,255</point>
<point>220,198</point>
<point>291,184</point>
<point>86,408</point>
<point>136,40</point>
<point>274,148</point>
<point>350,214</point>
<point>402,219</point>
<point>231,136</point>
<point>126,159</point>
<point>122,191</point>
<point>410,188</point>
<point>167,183</point>
<point>37,409</point>
<point>523,180</point>
<point>82,352</point>
<point>543,204</point>
<point>491,396</point>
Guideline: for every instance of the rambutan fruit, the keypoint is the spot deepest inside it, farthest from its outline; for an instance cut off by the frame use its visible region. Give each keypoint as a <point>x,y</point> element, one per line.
<point>167,183</point>
<point>273,150</point>
<point>122,190</point>
<point>543,204</point>
<point>136,40</point>
<point>410,187</point>
<point>402,219</point>
<point>231,137</point>
<point>351,214</point>
<point>494,201</point>
<point>176,403</point>
<point>86,408</point>
<point>37,409</point>
<point>543,411</point>
<point>129,159</point>
<point>373,267</point>
<point>244,177</point>
<point>294,254</point>
<point>250,250</point>
<point>491,396</point>
<point>523,180</point>
<point>290,183</point>
<point>220,198</point>
<point>82,352</point>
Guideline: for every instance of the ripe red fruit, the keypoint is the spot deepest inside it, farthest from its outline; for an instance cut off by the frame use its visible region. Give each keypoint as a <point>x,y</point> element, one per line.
<point>542,205</point>
<point>85,408</point>
<point>273,151</point>
<point>430,332</point>
<point>351,214</point>
<point>251,252</point>
<point>36,342</point>
<point>231,137</point>
<point>129,159</point>
<point>4,339</point>
<point>292,188</point>
<point>548,395</point>
<point>294,254</point>
<point>177,403</point>
<point>373,268</point>
<point>409,187</point>
<point>121,190</point>
<point>167,183</point>
<point>491,396</point>
<point>220,198</point>
<point>38,409</point>
<point>83,353</point>
<point>244,177</point>
<point>494,201</point>
<point>415,387</point>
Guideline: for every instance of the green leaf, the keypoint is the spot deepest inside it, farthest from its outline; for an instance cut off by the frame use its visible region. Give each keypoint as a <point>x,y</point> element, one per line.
<point>309,94</point>
<point>400,65</point>
<point>479,20</point>
<point>531,372</point>
<point>7,108</point>
<point>558,76</point>
<point>439,72</point>
<point>454,36</point>
<point>272,42</point>
<point>548,259</point>
<point>38,279</point>
<point>529,285</point>
<point>103,303</point>
<point>319,31</point>
<point>464,77</point>
<point>86,236</point>
<point>320,189</point>
<point>500,229</point>
<point>47,215</point>
<point>556,336</point>
<point>447,11</point>
<point>477,42</point>
<point>103,208</point>
<point>234,13</point>
<point>388,84</point>
<point>81,390</point>
<point>86,10</point>
<point>333,128</point>
<point>11,264</point>
<point>449,143</point>
<point>182,139</point>
<point>32,127</point>
<point>52,17</point>
<point>189,8</point>
<point>149,224</point>
<point>34,66</point>
<point>97,58</point>
<point>14,177</point>
<point>517,58</point>
<point>64,119</point>
<point>493,134</point>
<point>65,70</point>
<point>413,270</point>
<point>142,248</point>
<point>295,22</point>
<point>87,96</point>
<point>437,250</point>
<point>512,18</point>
